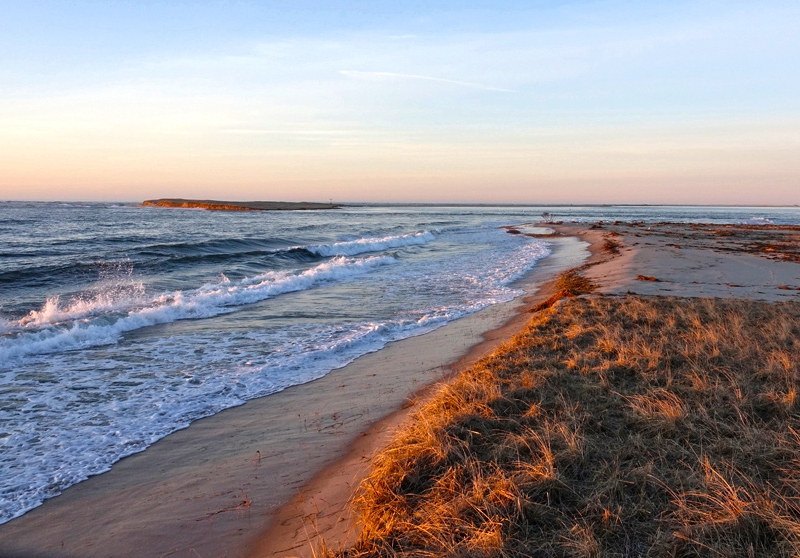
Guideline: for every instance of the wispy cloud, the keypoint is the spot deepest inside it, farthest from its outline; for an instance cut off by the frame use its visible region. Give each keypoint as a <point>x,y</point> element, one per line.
<point>380,75</point>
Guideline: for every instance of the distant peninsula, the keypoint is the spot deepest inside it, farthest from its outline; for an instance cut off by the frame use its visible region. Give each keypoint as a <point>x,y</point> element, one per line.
<point>216,205</point>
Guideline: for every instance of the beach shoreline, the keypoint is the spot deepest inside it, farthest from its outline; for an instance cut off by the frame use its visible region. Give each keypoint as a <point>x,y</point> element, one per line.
<point>211,488</point>
<point>320,513</point>
<point>224,485</point>
<point>629,421</point>
<point>320,517</point>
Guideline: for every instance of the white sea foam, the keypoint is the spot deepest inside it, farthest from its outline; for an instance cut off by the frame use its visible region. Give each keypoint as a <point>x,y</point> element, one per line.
<point>371,244</point>
<point>86,409</point>
<point>119,298</point>
<point>156,401</point>
<point>207,301</point>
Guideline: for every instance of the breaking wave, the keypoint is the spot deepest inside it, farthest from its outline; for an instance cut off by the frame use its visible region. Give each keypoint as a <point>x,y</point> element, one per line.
<point>102,321</point>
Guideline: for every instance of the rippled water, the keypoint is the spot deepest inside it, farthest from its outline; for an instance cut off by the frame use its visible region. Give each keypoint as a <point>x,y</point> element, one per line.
<point>121,324</point>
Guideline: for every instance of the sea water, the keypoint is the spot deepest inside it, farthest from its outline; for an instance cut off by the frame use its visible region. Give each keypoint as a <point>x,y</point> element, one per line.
<point>120,324</point>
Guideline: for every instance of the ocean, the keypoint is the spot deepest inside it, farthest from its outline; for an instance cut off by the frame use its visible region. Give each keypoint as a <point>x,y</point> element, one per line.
<point>120,324</point>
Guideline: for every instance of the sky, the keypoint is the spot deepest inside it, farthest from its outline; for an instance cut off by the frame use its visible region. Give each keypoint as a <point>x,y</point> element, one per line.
<point>390,101</point>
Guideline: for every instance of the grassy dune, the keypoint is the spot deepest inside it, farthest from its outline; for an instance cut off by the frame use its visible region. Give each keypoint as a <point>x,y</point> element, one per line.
<point>612,426</point>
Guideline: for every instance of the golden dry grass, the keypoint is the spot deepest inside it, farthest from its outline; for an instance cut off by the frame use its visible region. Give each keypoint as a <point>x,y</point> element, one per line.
<point>612,426</point>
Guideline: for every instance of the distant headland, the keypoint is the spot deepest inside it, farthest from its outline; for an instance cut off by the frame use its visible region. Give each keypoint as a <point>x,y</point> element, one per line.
<point>215,205</point>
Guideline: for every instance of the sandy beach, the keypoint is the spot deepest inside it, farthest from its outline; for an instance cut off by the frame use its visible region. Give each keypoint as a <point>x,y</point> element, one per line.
<point>212,489</point>
<point>625,259</point>
<point>617,422</point>
<point>399,280</point>
<point>266,478</point>
<point>694,260</point>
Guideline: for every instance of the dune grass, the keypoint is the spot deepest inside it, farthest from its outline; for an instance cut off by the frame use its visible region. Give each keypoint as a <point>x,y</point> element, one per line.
<point>612,426</point>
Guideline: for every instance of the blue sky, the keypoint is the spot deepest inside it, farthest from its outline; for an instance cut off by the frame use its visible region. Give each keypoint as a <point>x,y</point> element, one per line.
<point>534,102</point>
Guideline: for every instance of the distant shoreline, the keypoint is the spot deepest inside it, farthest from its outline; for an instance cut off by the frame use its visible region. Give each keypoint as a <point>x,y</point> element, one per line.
<point>216,205</point>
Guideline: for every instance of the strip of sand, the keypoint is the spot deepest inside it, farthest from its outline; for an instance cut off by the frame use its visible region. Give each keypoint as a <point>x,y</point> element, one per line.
<point>320,514</point>
<point>693,260</point>
<point>211,489</point>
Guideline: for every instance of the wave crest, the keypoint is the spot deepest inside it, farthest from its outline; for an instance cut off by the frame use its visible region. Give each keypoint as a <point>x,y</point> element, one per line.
<point>210,300</point>
<point>371,244</point>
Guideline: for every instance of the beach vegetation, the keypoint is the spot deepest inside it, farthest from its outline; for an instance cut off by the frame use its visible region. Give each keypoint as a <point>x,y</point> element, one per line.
<point>611,246</point>
<point>611,426</point>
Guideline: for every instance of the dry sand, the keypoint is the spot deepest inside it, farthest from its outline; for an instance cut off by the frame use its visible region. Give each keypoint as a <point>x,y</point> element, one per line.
<point>212,489</point>
<point>693,261</point>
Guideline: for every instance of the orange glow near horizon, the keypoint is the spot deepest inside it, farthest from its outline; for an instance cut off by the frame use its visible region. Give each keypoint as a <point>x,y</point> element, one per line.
<point>579,102</point>
<point>718,164</point>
